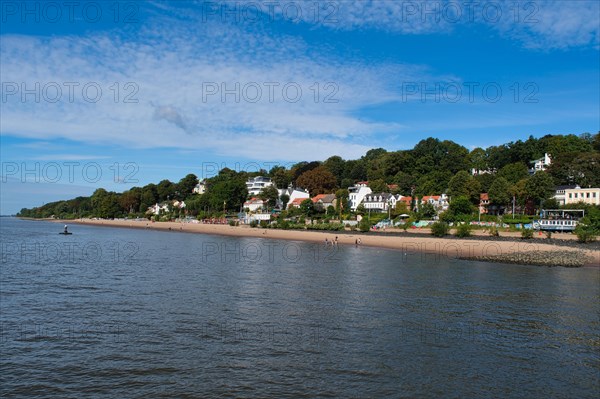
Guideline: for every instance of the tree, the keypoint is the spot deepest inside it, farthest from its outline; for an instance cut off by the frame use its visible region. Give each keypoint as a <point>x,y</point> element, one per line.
<point>335,165</point>
<point>284,200</point>
<point>596,142</point>
<point>499,192</point>
<point>397,162</point>
<point>461,206</point>
<point>478,159</point>
<point>130,200</point>
<point>342,200</point>
<point>300,168</point>
<point>378,186</point>
<point>457,187</point>
<point>280,177</point>
<point>427,211</point>
<point>539,187</point>
<point>513,172</point>
<point>317,181</point>
<point>270,195</point>
<point>165,190</point>
<point>185,187</point>
<point>307,207</point>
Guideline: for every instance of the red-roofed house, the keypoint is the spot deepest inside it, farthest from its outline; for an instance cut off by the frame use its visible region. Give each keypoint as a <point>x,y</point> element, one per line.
<point>324,201</point>
<point>295,203</point>
<point>484,202</point>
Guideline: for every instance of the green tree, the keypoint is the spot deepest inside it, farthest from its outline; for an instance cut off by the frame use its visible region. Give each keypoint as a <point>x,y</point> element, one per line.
<point>307,207</point>
<point>284,200</point>
<point>499,192</point>
<point>270,195</point>
<point>378,186</point>
<point>513,172</point>
<point>280,177</point>
<point>186,185</point>
<point>539,187</point>
<point>478,159</point>
<point>426,211</point>
<point>165,190</point>
<point>461,206</point>
<point>457,187</point>
<point>336,166</point>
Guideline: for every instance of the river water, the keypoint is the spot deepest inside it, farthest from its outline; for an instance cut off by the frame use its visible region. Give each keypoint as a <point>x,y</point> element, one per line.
<point>115,313</point>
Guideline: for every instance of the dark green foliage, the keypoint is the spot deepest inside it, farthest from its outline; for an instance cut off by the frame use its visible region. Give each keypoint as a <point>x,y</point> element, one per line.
<point>364,225</point>
<point>463,230</point>
<point>440,229</point>
<point>527,234</point>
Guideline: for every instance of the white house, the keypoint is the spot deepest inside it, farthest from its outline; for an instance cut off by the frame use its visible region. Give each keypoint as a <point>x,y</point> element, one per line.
<point>254,204</point>
<point>200,188</point>
<point>540,164</point>
<point>439,202</point>
<point>158,208</point>
<point>247,218</point>
<point>560,192</point>
<point>357,194</point>
<point>257,184</point>
<point>293,193</point>
<point>379,202</point>
<point>179,204</point>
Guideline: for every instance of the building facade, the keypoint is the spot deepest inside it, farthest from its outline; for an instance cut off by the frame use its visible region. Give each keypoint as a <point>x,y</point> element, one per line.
<point>587,195</point>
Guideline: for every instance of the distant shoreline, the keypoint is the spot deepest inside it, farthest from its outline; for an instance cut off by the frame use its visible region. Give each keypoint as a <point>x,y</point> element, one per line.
<point>529,252</point>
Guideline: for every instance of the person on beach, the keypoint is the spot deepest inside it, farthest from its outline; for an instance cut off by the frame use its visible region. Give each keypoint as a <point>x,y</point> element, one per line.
<point>326,242</point>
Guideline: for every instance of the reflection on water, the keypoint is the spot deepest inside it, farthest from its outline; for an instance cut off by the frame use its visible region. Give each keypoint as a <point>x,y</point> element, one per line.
<point>121,313</point>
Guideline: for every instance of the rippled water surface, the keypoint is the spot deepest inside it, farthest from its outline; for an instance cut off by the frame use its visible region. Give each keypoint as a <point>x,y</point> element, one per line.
<point>119,313</point>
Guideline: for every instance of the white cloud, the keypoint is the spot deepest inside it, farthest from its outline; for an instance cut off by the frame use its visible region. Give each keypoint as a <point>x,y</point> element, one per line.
<point>542,24</point>
<point>155,92</point>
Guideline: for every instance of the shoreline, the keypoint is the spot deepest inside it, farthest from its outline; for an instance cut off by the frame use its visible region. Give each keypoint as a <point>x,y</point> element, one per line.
<point>473,248</point>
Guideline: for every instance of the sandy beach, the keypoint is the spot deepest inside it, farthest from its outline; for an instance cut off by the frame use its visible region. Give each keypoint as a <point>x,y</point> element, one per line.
<point>450,247</point>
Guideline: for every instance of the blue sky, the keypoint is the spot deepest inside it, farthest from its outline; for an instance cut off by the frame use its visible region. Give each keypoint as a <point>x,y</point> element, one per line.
<point>142,91</point>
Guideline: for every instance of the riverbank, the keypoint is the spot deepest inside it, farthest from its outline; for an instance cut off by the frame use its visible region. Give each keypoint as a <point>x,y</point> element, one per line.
<point>534,252</point>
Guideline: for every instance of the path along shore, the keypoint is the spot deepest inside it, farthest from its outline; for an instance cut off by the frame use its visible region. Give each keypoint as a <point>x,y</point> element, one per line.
<point>517,251</point>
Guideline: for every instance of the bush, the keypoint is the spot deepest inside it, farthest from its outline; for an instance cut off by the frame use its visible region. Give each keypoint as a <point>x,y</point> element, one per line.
<point>232,222</point>
<point>548,234</point>
<point>463,230</point>
<point>407,223</point>
<point>527,234</point>
<point>364,225</point>
<point>264,224</point>
<point>494,232</point>
<point>440,229</point>
<point>585,234</point>
<point>253,223</point>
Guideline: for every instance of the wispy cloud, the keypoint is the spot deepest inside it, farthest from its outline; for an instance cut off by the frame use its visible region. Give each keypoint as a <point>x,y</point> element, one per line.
<point>222,89</point>
<point>541,24</point>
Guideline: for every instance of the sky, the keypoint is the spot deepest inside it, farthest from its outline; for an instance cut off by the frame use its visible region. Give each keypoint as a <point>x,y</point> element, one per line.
<point>120,94</point>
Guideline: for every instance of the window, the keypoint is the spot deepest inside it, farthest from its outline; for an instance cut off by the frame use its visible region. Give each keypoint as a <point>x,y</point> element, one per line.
<point>570,195</point>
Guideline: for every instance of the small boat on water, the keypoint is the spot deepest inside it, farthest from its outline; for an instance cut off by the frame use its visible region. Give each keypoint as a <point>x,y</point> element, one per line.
<point>66,233</point>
